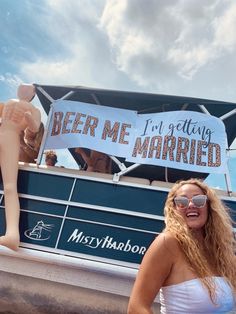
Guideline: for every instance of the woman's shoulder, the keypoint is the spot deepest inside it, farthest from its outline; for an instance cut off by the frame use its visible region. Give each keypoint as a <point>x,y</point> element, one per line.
<point>166,237</point>
<point>162,253</point>
<point>166,241</point>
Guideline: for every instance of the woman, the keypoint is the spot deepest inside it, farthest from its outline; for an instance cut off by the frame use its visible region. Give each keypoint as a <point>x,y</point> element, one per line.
<point>192,262</point>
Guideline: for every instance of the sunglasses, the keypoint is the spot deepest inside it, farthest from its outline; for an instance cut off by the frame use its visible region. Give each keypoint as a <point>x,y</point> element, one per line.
<point>198,201</point>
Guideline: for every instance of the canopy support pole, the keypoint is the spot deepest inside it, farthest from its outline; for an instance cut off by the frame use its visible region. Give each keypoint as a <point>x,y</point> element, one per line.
<point>42,146</point>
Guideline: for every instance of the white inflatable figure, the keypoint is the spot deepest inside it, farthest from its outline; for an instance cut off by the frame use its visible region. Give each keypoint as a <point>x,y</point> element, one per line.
<point>17,115</point>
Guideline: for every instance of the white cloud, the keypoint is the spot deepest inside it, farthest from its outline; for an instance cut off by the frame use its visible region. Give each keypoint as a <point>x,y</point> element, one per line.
<point>158,42</point>
<point>49,71</point>
<point>12,82</point>
<point>174,47</point>
<point>225,26</point>
<point>10,79</point>
<point>169,47</point>
<point>85,58</point>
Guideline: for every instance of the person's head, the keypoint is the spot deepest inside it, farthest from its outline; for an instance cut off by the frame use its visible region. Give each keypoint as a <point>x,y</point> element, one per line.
<point>197,205</point>
<point>191,206</point>
<point>50,158</point>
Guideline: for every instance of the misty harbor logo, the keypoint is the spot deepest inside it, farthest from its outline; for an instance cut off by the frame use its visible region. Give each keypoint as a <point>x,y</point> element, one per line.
<point>40,232</point>
<point>106,242</point>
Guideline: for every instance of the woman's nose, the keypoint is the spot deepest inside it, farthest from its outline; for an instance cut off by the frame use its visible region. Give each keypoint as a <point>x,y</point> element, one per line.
<point>191,204</point>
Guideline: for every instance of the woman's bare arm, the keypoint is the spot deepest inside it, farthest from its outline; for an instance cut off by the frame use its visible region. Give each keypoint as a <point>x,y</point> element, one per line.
<point>154,270</point>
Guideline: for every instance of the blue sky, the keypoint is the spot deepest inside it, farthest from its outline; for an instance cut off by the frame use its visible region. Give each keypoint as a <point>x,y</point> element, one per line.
<point>182,47</point>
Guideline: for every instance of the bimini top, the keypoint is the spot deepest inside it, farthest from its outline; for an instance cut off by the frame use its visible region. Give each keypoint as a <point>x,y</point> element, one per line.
<point>143,103</point>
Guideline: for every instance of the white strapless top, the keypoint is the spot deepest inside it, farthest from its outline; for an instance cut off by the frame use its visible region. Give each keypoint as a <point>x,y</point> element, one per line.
<point>191,297</point>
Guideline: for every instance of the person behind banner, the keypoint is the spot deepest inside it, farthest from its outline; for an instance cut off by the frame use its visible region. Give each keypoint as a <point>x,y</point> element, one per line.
<point>50,158</point>
<point>96,161</point>
<point>17,116</point>
<point>192,262</point>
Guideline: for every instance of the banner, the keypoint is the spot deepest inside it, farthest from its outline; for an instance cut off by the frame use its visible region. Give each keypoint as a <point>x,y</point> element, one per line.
<point>76,124</point>
<point>186,140</point>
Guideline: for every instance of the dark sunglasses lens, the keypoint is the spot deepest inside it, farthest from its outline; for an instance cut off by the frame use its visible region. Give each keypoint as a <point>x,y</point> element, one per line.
<point>181,202</point>
<point>199,200</point>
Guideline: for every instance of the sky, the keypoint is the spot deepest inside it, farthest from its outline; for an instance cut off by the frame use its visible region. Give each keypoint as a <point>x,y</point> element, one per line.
<point>176,47</point>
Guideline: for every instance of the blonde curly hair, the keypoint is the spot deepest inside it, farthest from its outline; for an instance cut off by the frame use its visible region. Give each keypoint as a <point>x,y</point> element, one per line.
<point>219,240</point>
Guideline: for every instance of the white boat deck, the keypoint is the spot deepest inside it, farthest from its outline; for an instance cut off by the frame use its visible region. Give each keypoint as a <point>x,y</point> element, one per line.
<point>38,282</point>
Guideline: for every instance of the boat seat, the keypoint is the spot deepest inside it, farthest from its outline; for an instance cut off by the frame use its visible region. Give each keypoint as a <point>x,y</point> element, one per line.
<point>134,180</point>
<point>93,174</point>
<point>109,176</point>
<point>162,184</point>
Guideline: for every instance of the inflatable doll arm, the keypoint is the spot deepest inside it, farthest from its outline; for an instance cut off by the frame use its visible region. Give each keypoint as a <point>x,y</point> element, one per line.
<point>33,119</point>
<point>1,108</point>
